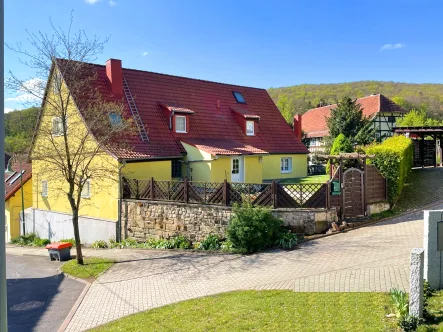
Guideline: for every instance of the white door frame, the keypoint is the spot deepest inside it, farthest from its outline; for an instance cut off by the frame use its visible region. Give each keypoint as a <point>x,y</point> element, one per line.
<point>240,176</point>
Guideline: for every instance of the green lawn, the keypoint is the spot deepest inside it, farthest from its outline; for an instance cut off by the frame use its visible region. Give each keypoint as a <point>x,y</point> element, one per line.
<point>308,179</point>
<point>91,269</point>
<point>266,311</point>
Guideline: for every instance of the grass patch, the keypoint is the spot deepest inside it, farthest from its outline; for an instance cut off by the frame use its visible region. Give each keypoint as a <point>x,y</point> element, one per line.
<point>435,309</point>
<point>308,179</point>
<point>266,311</point>
<point>92,267</point>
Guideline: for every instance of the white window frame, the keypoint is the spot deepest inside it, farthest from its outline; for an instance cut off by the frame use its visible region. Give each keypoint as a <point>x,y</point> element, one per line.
<point>248,132</point>
<point>176,129</point>
<point>286,168</point>
<point>60,129</point>
<point>44,191</point>
<point>86,194</point>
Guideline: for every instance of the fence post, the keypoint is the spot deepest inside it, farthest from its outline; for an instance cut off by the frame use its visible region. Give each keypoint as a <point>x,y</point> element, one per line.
<point>274,195</point>
<point>137,194</point>
<point>151,184</point>
<point>386,189</point>
<point>328,190</point>
<point>225,192</point>
<point>186,190</point>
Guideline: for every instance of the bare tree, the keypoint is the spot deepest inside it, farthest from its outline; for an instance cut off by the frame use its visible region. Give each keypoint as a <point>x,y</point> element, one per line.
<point>79,128</point>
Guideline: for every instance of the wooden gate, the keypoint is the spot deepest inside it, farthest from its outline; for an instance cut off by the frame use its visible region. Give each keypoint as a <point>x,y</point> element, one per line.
<point>353,191</point>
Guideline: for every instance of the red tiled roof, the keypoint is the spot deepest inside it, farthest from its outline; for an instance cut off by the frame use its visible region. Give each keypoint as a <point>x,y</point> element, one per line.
<point>177,109</point>
<point>314,120</point>
<point>213,118</point>
<point>223,146</point>
<point>11,188</point>
<point>245,113</point>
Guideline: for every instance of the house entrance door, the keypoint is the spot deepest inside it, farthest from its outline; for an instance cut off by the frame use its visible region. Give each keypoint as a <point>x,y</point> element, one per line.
<point>237,169</point>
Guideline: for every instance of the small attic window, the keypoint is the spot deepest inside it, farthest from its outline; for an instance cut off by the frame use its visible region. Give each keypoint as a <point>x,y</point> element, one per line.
<point>238,97</point>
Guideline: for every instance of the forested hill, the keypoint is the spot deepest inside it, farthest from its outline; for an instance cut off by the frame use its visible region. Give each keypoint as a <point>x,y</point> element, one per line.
<point>19,128</point>
<point>300,98</point>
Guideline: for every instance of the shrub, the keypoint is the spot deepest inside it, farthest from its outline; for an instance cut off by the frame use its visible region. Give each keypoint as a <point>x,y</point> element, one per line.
<point>99,244</point>
<point>394,159</point>
<point>409,323</point>
<point>341,145</point>
<point>180,242</point>
<point>212,242</point>
<point>30,239</point>
<point>253,228</point>
<point>227,246</point>
<point>287,240</point>
<point>71,241</point>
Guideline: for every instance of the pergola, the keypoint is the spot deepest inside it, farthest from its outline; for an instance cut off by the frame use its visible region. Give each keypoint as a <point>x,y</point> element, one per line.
<point>425,150</point>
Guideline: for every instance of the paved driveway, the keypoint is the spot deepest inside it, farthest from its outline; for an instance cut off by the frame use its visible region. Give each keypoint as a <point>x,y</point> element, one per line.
<point>39,297</point>
<point>373,258</point>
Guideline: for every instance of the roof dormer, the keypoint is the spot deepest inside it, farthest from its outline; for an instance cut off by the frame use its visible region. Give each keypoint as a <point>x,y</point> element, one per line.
<point>247,120</point>
<point>178,116</point>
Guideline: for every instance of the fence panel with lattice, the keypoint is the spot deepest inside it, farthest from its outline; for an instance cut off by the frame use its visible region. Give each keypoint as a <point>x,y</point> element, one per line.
<point>302,195</point>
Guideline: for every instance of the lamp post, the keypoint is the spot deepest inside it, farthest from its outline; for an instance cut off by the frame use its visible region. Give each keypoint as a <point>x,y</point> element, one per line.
<point>3,296</point>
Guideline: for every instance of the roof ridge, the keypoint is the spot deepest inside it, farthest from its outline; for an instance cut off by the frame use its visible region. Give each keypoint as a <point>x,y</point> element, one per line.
<point>177,76</point>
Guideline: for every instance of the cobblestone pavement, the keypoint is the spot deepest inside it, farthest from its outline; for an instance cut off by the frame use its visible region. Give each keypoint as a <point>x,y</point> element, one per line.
<point>372,258</point>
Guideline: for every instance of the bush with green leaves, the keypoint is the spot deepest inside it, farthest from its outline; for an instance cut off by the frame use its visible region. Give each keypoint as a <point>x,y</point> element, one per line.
<point>70,240</point>
<point>99,244</point>
<point>253,228</point>
<point>341,145</point>
<point>30,239</point>
<point>287,240</point>
<point>409,323</point>
<point>394,159</point>
<point>211,242</point>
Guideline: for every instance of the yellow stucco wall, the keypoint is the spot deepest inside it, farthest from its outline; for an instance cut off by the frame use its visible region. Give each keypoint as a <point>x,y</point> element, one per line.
<point>159,170</point>
<point>13,207</point>
<point>221,169</point>
<point>271,166</point>
<point>201,170</point>
<point>104,193</point>
<point>253,169</point>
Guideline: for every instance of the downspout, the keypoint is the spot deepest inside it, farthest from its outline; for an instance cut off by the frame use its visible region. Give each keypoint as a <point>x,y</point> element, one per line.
<point>120,196</point>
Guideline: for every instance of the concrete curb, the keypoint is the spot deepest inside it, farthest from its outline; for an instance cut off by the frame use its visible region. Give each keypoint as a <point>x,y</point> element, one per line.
<point>77,303</point>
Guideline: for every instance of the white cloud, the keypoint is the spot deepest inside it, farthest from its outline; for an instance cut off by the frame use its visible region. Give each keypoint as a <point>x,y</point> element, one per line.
<point>30,91</point>
<point>145,53</point>
<point>7,109</point>
<point>392,46</point>
<point>91,2</point>
<point>112,3</point>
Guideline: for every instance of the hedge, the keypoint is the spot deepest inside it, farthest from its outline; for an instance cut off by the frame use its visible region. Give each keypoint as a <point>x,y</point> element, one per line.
<point>394,159</point>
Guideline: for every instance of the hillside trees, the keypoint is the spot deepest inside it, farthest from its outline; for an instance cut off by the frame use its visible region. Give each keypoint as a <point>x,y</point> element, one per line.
<point>19,128</point>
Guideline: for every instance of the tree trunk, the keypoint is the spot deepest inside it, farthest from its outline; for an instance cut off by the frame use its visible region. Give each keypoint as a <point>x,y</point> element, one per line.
<point>78,246</point>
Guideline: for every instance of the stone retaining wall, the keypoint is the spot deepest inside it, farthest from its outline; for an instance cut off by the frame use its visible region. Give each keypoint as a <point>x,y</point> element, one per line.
<point>145,219</point>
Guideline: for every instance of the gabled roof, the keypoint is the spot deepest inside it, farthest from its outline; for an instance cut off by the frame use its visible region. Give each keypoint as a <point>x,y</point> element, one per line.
<point>245,113</point>
<point>314,120</point>
<point>212,118</point>
<point>12,188</point>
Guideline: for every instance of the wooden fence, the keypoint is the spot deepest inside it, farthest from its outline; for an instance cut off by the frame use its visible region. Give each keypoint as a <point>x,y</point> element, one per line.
<point>275,195</point>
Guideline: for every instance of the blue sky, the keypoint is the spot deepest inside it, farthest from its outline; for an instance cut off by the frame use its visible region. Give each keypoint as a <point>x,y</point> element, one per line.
<point>254,43</point>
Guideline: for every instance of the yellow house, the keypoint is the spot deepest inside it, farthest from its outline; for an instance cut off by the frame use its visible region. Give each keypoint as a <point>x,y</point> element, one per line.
<point>13,197</point>
<point>205,131</point>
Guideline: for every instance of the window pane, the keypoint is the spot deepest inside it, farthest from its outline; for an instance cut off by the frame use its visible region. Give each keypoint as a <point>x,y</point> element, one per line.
<point>180,124</point>
<point>249,127</point>
<point>86,191</point>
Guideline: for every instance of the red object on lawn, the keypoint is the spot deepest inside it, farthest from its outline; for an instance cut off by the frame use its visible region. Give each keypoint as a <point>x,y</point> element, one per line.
<point>59,245</point>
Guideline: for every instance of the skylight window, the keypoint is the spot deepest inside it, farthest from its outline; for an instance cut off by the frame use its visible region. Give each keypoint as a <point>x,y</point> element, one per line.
<point>10,176</point>
<point>238,97</point>
<point>16,177</point>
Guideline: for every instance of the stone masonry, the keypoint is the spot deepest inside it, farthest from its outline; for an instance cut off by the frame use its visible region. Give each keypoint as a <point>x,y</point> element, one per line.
<point>142,220</point>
